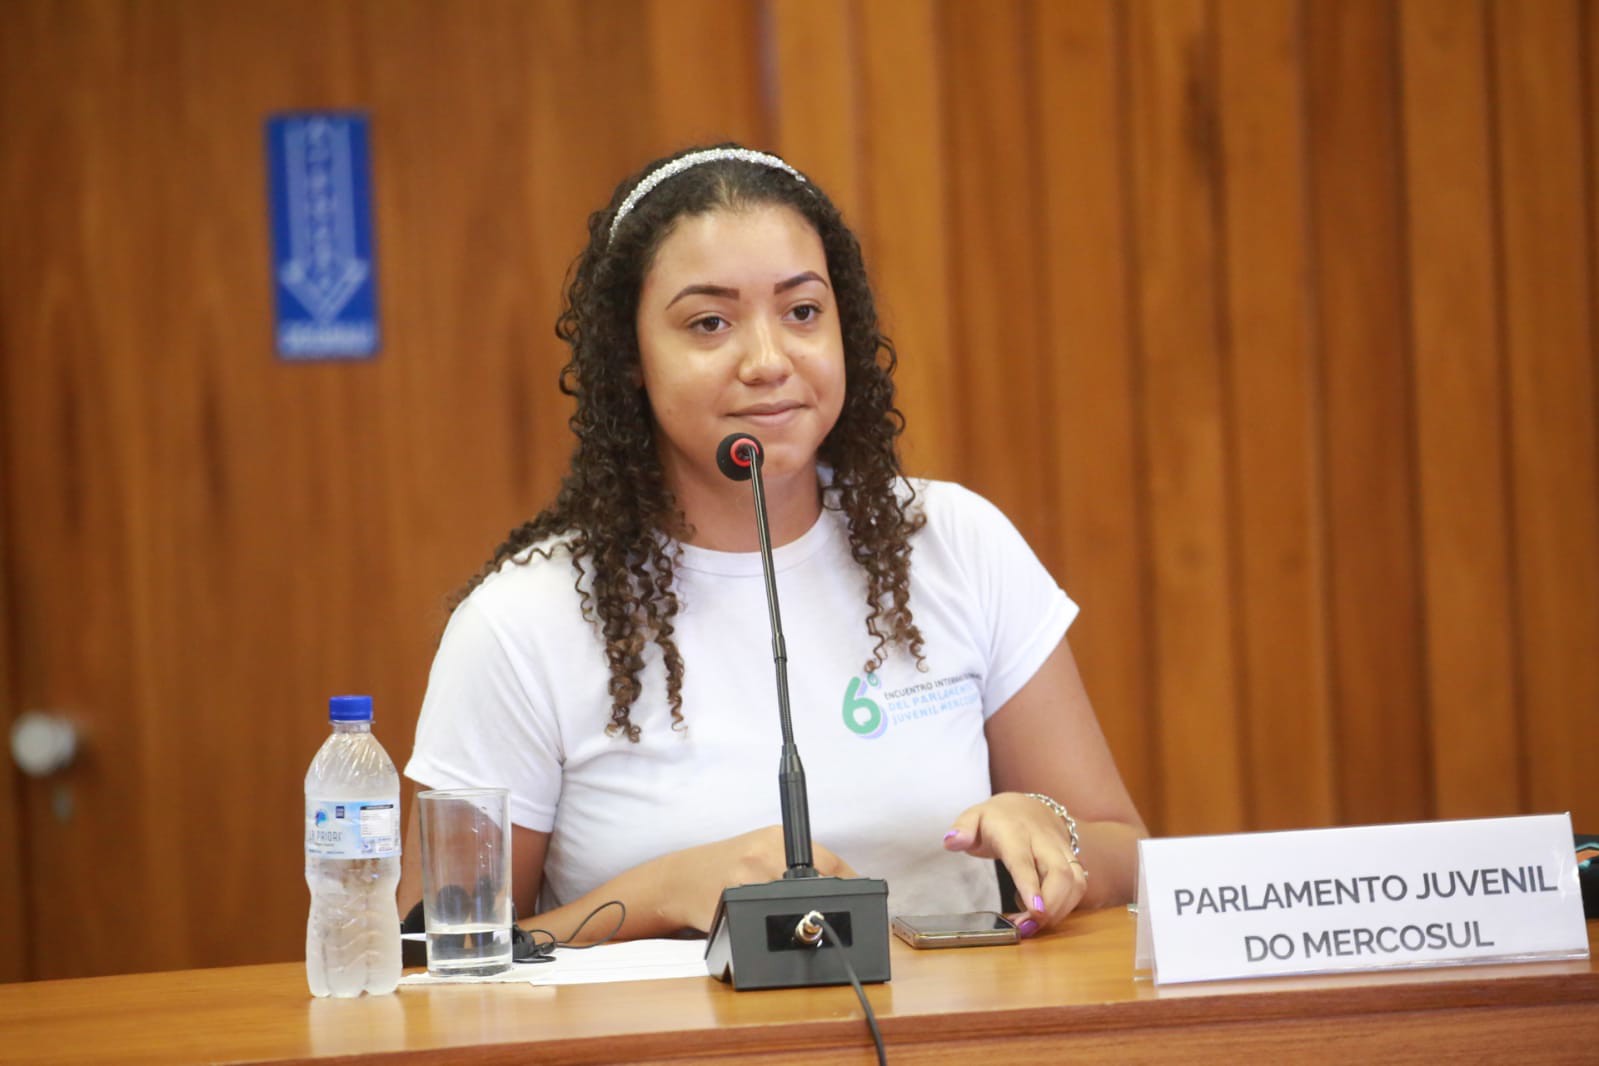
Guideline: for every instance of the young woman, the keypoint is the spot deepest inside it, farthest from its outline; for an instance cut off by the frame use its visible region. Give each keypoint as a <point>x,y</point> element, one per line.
<point>612,663</point>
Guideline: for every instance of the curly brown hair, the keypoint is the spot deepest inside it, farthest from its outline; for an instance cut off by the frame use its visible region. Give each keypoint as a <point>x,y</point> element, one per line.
<point>614,512</point>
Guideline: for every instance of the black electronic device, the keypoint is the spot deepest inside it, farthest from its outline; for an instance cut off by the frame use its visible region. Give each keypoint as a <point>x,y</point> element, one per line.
<point>771,935</point>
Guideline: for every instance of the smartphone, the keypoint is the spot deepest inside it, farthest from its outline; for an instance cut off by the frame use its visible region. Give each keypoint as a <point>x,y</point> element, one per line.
<point>955,930</point>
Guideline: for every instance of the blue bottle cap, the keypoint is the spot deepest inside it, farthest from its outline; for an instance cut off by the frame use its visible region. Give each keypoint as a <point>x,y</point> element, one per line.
<point>350,709</point>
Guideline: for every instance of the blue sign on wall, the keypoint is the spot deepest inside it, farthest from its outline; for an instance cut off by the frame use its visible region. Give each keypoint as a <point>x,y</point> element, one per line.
<point>324,272</point>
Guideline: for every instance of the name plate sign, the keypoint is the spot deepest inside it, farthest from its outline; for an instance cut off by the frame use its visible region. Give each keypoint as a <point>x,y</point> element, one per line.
<point>1366,898</point>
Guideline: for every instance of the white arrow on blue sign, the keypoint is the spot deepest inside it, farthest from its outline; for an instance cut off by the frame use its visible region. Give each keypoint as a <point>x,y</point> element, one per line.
<point>320,182</point>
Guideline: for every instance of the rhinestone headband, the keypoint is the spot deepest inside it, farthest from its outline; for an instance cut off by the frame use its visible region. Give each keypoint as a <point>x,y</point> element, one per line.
<point>693,159</point>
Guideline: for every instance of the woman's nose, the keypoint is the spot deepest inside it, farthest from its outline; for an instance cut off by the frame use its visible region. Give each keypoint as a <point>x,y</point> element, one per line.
<point>764,359</point>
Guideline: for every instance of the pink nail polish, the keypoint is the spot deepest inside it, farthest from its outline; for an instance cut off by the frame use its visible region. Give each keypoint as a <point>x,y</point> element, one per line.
<point>952,834</point>
<point>1038,904</point>
<point>1028,927</point>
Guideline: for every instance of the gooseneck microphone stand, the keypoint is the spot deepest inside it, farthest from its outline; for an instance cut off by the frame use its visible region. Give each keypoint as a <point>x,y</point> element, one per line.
<point>746,455</point>
<point>769,935</point>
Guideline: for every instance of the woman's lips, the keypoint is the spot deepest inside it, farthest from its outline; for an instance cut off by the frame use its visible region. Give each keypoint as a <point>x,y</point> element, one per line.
<point>771,416</point>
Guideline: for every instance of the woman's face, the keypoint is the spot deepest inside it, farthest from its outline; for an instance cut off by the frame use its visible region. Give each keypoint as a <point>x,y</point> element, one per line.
<point>738,331</point>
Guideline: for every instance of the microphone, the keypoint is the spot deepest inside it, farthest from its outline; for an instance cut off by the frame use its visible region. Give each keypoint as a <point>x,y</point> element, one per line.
<point>768,935</point>
<point>741,467</point>
<point>761,934</point>
<point>740,457</point>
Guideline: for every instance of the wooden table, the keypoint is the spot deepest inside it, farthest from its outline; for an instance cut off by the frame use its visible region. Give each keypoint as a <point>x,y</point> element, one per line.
<point>1070,994</point>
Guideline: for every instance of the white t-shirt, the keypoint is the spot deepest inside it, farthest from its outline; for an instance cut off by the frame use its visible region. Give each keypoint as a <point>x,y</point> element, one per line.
<point>518,698</point>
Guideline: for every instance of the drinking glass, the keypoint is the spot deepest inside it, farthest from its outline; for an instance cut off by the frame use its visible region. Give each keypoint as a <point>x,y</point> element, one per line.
<point>466,879</point>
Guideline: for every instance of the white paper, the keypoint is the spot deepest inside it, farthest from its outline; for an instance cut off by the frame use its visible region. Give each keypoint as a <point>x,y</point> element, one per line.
<point>1367,898</point>
<point>630,960</point>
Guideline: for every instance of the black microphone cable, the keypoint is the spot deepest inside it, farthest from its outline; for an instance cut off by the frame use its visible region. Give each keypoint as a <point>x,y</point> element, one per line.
<point>526,947</point>
<point>810,930</point>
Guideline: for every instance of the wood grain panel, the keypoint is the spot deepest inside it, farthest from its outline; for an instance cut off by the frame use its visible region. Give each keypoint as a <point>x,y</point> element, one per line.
<point>1583,812</point>
<point>1087,272</point>
<point>13,855</point>
<point>1175,171</point>
<point>1460,427</point>
<point>996,287</point>
<point>1545,234</point>
<point>1384,769</point>
<point>71,377</point>
<point>706,74</point>
<point>1068,996</point>
<point>14,864</point>
<point>183,531</point>
<point>815,94</point>
<point>907,206</point>
<point>1279,557</point>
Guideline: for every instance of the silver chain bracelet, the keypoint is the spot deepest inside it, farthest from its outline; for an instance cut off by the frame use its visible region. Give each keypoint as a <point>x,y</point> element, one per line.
<point>1065,816</point>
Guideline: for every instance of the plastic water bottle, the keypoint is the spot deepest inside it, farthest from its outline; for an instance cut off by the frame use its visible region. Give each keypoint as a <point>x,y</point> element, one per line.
<point>352,858</point>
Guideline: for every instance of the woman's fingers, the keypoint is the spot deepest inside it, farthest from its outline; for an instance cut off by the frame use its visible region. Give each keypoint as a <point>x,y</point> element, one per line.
<point>1022,866</point>
<point>1064,885</point>
<point>1025,836</point>
<point>1026,923</point>
<point>964,834</point>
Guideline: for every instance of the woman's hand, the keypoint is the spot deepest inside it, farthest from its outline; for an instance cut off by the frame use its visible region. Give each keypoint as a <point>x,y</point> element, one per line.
<point>1033,843</point>
<point>693,879</point>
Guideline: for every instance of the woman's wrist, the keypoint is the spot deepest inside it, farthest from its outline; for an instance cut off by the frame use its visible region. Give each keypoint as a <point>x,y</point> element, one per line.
<point>1066,818</point>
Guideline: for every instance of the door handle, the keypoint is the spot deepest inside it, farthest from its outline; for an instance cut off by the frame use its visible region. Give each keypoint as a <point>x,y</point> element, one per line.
<point>43,742</point>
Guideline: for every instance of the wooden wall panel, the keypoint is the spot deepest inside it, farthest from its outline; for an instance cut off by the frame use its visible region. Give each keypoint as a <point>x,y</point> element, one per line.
<point>13,859</point>
<point>197,535</point>
<point>1276,494</point>
<point>1584,804</point>
<point>906,204</point>
<point>1083,152</point>
<point>72,374</point>
<point>14,864</point>
<point>1548,255</point>
<point>815,94</point>
<point>1384,771</point>
<point>995,285</point>
<point>1174,127</point>
<point>1287,307</point>
<point>705,78</point>
<point>1460,427</point>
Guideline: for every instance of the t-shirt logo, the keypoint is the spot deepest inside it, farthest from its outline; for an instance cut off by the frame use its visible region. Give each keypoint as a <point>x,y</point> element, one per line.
<point>869,708</point>
<point>862,715</point>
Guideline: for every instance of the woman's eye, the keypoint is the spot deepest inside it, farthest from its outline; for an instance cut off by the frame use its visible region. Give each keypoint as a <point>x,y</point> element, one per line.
<point>806,312</point>
<point>708,324</point>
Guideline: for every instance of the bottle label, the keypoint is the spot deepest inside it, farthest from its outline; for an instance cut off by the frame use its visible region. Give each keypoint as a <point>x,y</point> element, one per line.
<point>352,829</point>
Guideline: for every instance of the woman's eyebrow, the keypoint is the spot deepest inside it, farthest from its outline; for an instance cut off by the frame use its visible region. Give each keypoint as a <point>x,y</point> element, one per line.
<point>798,279</point>
<point>727,293</point>
<point>705,290</point>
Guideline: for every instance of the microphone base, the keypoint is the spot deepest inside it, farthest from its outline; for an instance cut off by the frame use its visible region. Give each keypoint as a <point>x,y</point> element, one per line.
<point>752,942</point>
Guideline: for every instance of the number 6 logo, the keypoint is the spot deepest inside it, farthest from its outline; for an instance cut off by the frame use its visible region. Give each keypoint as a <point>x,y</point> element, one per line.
<point>862,716</point>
